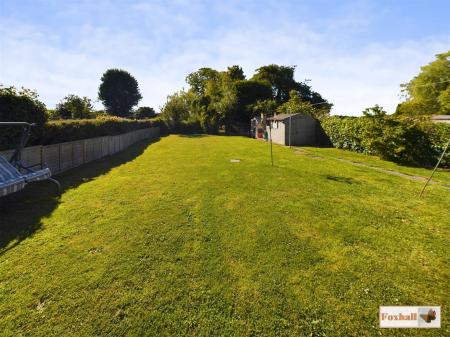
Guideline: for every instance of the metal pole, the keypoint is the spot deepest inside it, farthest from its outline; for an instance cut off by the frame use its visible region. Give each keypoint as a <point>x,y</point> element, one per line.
<point>290,122</point>
<point>270,138</point>
<point>434,170</point>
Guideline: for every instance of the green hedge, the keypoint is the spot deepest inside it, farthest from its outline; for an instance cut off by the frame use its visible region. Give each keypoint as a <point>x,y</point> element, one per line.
<point>407,141</point>
<point>182,127</point>
<point>61,131</point>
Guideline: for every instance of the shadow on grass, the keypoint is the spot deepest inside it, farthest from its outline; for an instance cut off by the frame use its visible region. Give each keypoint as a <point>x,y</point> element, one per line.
<point>345,180</point>
<point>21,213</point>
<point>193,135</point>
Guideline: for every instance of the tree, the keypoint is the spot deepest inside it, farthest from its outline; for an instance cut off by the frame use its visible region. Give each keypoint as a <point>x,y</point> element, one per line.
<point>119,92</point>
<point>20,106</point>
<point>199,79</point>
<point>281,79</point>
<point>74,107</point>
<point>265,107</point>
<point>428,92</point>
<point>177,108</point>
<point>144,112</point>
<point>248,93</point>
<point>296,105</point>
<point>235,73</point>
<point>375,112</point>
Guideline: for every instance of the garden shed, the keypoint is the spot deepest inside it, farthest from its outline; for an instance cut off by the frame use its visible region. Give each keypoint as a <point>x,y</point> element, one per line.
<point>296,129</point>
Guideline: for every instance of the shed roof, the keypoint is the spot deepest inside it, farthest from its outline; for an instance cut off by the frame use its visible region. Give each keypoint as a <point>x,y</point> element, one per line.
<point>440,117</point>
<point>282,117</point>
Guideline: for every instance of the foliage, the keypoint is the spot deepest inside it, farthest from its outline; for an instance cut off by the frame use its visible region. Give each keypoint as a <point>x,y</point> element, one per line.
<point>282,82</point>
<point>178,107</point>
<point>74,107</point>
<point>20,106</point>
<point>199,80</point>
<point>60,131</point>
<point>248,93</point>
<point>265,107</point>
<point>119,92</point>
<point>235,73</point>
<point>144,112</point>
<point>406,141</point>
<point>429,92</point>
<point>296,105</point>
<point>226,98</point>
<point>280,78</point>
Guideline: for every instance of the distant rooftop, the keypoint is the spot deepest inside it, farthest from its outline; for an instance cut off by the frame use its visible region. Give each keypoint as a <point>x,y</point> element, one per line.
<point>440,117</point>
<point>282,117</point>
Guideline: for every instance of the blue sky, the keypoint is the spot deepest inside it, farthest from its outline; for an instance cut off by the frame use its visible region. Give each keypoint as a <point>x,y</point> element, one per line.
<point>356,52</point>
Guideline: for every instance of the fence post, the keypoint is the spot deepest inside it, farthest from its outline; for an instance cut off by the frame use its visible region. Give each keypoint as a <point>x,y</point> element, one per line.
<point>59,157</point>
<point>84,151</point>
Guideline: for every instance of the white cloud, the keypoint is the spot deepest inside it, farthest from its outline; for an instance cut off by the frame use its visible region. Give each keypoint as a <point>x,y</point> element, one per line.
<point>168,41</point>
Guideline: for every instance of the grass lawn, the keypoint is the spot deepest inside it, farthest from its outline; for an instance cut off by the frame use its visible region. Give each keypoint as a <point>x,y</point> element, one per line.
<point>171,239</point>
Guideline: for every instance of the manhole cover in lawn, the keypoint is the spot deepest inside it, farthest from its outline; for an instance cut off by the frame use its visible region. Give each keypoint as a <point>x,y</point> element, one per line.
<point>235,161</point>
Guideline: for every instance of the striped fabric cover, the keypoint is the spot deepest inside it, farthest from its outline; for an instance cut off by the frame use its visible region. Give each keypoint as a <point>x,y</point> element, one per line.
<point>38,175</point>
<point>10,179</point>
<point>11,186</point>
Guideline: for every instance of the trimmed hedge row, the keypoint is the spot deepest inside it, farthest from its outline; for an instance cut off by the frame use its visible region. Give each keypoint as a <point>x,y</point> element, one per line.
<point>182,127</point>
<point>61,131</point>
<point>405,141</point>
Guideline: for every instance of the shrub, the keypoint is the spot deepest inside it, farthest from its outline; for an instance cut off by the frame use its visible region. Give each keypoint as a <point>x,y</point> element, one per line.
<point>20,106</point>
<point>70,130</point>
<point>345,132</point>
<point>192,126</point>
<point>406,141</point>
<point>439,134</point>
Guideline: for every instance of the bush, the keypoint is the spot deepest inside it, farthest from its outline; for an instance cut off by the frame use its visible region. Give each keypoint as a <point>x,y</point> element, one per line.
<point>439,134</point>
<point>70,130</point>
<point>405,141</point>
<point>20,106</point>
<point>192,126</point>
<point>345,132</point>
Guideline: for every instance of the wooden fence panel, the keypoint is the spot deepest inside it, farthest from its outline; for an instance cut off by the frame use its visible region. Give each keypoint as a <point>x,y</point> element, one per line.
<point>97,148</point>
<point>7,154</point>
<point>50,157</point>
<point>32,156</point>
<point>88,150</point>
<point>78,152</point>
<point>105,146</point>
<point>64,156</point>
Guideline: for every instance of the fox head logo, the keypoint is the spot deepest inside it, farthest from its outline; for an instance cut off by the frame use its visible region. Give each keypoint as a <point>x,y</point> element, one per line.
<point>430,316</point>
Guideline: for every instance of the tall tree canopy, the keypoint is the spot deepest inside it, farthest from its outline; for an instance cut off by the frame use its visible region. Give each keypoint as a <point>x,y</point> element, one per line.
<point>429,92</point>
<point>119,92</point>
<point>226,98</point>
<point>235,73</point>
<point>281,79</point>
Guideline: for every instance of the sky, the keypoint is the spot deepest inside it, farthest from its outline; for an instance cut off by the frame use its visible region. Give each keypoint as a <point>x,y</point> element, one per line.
<point>356,53</point>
